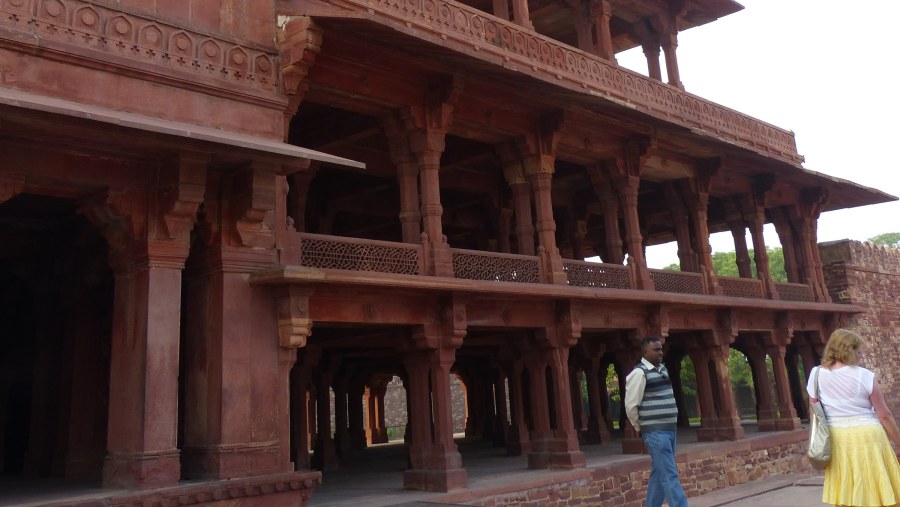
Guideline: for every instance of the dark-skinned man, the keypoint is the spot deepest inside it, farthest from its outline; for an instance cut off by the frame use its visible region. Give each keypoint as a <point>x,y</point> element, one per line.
<point>650,406</point>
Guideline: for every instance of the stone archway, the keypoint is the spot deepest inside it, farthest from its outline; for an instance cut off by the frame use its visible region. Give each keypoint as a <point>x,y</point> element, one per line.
<point>56,289</point>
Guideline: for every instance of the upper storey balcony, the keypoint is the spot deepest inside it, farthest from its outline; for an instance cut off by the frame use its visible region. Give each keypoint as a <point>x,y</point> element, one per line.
<point>497,156</point>
<point>569,44</point>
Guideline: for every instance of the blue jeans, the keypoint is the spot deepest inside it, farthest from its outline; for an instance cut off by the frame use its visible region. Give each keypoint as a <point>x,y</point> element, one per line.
<point>664,482</point>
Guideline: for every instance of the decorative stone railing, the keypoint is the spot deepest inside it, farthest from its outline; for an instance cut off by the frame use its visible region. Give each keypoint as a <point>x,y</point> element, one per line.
<point>144,43</point>
<point>477,265</point>
<point>741,287</point>
<point>485,36</point>
<point>595,274</point>
<point>794,292</point>
<point>677,281</point>
<point>352,254</point>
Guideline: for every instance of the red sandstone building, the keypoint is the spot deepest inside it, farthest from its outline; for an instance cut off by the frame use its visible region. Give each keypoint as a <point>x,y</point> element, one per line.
<point>217,214</point>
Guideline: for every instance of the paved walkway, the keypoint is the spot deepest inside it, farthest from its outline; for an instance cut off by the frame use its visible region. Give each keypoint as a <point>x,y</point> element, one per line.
<point>793,490</point>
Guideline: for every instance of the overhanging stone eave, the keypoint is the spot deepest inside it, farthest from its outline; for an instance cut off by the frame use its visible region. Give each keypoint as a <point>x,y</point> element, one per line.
<point>188,133</point>
<point>302,275</point>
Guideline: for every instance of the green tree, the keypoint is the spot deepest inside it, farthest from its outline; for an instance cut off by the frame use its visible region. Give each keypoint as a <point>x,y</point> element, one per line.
<point>739,369</point>
<point>891,239</point>
<point>725,264</point>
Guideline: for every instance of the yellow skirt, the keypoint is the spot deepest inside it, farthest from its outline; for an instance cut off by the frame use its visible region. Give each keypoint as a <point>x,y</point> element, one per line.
<point>863,471</point>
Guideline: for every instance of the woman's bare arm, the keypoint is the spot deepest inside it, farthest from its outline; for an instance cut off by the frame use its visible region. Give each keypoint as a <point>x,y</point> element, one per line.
<point>885,416</point>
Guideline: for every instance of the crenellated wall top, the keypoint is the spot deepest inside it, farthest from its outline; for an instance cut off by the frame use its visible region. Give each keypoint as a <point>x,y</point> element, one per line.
<point>484,36</point>
<point>861,254</point>
<point>112,35</point>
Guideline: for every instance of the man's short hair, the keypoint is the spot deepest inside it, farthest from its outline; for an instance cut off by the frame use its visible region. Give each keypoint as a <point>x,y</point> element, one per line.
<point>647,340</point>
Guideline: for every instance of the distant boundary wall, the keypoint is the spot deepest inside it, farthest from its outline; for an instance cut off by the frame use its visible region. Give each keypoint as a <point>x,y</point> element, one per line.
<point>868,275</point>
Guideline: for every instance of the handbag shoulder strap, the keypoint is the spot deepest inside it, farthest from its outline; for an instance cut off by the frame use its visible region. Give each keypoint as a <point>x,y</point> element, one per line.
<point>816,389</point>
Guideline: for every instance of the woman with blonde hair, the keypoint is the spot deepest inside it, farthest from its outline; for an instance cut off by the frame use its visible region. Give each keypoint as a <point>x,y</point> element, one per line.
<point>863,470</point>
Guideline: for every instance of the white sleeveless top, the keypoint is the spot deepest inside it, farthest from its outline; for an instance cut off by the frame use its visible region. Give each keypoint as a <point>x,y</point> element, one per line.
<point>844,394</point>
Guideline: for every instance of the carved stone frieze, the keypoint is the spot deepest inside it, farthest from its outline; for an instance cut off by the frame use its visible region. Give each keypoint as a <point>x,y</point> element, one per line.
<point>150,43</point>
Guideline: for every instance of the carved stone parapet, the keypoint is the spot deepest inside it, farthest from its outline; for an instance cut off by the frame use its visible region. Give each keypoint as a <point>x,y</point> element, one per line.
<point>139,42</point>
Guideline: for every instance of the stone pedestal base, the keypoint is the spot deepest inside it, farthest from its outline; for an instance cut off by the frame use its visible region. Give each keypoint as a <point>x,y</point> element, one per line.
<point>141,471</point>
<point>550,459</point>
<point>229,461</point>
<point>435,480</point>
<point>787,424</point>
<point>719,434</point>
<point>767,424</point>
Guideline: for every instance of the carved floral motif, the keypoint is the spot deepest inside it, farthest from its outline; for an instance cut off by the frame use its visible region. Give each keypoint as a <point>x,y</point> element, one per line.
<point>86,25</point>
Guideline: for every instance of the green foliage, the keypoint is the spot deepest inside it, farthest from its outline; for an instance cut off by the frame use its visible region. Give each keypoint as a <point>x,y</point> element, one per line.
<point>612,384</point>
<point>739,369</point>
<point>688,377</point>
<point>725,264</point>
<point>891,239</point>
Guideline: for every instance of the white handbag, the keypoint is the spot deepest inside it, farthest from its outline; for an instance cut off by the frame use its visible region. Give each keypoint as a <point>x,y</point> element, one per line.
<point>819,451</point>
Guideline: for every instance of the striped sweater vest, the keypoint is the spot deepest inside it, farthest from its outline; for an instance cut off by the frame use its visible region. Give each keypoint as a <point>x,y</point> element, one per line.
<point>657,411</point>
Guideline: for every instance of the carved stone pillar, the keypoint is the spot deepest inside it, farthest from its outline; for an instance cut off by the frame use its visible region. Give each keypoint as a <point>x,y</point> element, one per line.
<point>612,248</point>
<point>597,429</point>
<point>301,379</point>
<point>585,39</point>
<point>669,45</point>
<point>765,408</point>
<point>627,179</point>
<point>341,428</point>
<point>501,423</point>
<point>686,255</point>
<point>787,415</point>
<point>729,423</point>
<point>788,244</point>
<point>149,243</point>
<point>651,52</point>
<point>521,16</point>
<point>696,192</point>
<point>501,9</point>
<point>226,317</point>
<point>709,420</point>
<point>435,462</point>
<point>546,226</point>
<point>627,360</point>
<point>356,415</point>
<point>518,442</point>
<point>325,452</point>
<point>604,34</point>
<point>407,178</point>
<point>755,217</point>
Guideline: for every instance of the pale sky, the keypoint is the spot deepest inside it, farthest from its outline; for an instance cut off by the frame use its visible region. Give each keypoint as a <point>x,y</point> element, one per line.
<point>826,70</point>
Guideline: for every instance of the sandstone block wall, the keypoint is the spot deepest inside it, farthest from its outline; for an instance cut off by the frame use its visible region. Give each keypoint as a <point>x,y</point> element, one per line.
<point>868,275</point>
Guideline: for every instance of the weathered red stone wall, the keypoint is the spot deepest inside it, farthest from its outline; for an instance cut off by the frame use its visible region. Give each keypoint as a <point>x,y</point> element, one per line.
<point>868,275</point>
<point>623,483</point>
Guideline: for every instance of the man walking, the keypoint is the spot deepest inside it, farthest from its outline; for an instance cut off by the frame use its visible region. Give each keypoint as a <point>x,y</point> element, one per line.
<point>650,406</point>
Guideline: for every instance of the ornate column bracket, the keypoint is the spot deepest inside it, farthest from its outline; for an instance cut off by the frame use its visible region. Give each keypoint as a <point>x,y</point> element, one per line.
<point>300,42</point>
<point>11,185</point>
<point>253,204</point>
<point>292,313</point>
<point>446,328</point>
<point>754,212</point>
<point>182,189</point>
<point>121,215</point>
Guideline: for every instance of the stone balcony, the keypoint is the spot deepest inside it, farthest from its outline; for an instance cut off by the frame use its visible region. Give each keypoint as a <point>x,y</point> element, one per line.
<point>353,255</point>
<point>480,35</point>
